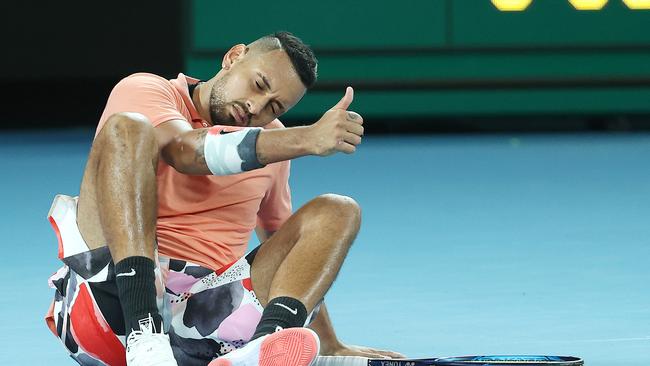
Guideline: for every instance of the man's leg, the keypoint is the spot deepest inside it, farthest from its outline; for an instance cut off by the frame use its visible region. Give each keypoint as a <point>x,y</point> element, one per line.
<point>118,207</point>
<point>290,274</point>
<point>302,259</point>
<point>118,198</point>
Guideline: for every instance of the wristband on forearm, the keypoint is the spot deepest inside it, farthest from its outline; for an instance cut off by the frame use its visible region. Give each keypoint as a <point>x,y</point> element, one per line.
<point>231,152</point>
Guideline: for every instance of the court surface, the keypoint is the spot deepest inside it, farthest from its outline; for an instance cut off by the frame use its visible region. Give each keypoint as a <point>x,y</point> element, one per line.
<point>469,244</point>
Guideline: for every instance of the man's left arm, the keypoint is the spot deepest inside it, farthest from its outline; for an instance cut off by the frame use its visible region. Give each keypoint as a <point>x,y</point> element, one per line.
<point>332,346</point>
<point>263,234</point>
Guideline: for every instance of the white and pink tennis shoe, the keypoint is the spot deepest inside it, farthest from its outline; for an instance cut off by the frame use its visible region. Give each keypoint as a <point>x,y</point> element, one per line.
<point>287,347</point>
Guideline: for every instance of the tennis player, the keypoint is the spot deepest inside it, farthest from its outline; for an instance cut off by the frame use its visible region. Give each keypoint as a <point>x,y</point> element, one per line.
<point>180,173</point>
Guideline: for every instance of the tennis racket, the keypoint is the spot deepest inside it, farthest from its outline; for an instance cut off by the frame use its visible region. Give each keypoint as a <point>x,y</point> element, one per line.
<point>500,360</point>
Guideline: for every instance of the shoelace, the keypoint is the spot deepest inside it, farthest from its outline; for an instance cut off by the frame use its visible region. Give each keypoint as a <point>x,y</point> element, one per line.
<point>140,342</point>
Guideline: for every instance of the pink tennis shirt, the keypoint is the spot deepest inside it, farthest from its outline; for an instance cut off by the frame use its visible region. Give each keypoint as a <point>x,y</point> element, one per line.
<point>206,220</point>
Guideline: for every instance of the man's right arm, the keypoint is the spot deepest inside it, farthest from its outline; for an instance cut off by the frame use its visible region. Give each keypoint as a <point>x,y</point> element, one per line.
<point>185,148</point>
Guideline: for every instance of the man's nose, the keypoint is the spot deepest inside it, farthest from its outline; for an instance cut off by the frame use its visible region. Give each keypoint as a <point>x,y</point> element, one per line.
<point>253,106</point>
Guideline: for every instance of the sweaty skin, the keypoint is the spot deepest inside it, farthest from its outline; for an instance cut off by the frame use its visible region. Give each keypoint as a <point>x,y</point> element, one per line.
<point>118,196</point>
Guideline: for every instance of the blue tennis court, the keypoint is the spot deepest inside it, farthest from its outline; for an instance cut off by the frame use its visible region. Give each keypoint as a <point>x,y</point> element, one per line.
<point>469,244</point>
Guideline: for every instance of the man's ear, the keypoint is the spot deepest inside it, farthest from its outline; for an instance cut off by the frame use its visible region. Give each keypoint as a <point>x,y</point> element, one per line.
<point>234,54</point>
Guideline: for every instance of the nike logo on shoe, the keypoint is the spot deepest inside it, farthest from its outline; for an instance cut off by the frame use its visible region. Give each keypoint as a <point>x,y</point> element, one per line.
<point>292,311</point>
<point>127,274</point>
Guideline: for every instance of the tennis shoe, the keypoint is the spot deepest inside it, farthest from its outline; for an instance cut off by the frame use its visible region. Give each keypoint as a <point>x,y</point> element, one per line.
<point>145,347</point>
<point>287,347</point>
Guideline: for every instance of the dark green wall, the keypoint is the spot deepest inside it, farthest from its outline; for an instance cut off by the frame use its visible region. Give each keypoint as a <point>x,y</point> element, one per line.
<point>447,57</point>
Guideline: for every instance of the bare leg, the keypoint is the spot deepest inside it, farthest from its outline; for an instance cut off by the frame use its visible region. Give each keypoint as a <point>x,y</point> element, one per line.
<point>293,270</point>
<point>118,198</point>
<point>118,208</point>
<point>302,259</point>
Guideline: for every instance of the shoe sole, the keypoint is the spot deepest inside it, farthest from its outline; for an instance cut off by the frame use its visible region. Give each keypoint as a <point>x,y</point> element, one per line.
<point>289,347</point>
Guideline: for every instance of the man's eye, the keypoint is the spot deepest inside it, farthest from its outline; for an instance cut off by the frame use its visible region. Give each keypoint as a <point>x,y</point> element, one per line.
<point>258,85</point>
<point>273,109</point>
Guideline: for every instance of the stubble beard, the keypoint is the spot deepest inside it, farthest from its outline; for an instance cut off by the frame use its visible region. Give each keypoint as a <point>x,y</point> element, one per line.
<point>218,104</point>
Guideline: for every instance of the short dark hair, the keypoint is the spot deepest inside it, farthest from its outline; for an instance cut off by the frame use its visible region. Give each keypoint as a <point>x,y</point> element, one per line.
<point>302,57</point>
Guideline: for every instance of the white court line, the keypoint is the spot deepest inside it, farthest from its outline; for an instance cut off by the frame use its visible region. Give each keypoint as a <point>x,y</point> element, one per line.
<point>598,340</point>
<point>608,340</point>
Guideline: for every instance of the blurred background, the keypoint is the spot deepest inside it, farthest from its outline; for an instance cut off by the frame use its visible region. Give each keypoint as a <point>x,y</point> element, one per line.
<point>504,177</point>
<point>436,65</point>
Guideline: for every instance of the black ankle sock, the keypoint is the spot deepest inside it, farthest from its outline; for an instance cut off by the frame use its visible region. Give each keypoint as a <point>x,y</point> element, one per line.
<point>280,313</point>
<point>136,287</point>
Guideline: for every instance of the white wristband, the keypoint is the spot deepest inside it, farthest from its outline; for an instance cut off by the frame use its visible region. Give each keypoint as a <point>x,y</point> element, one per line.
<point>231,152</point>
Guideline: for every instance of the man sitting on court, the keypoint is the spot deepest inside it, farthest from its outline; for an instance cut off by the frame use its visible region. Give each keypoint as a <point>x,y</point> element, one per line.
<point>154,247</point>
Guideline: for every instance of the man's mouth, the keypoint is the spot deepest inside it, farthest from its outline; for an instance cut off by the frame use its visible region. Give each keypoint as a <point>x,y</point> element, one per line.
<point>239,115</point>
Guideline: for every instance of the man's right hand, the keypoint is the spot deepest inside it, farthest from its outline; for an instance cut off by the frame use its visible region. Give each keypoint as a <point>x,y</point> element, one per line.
<point>338,129</point>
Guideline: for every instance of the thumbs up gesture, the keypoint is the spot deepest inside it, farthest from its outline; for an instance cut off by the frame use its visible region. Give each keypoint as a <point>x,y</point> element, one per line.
<point>338,129</point>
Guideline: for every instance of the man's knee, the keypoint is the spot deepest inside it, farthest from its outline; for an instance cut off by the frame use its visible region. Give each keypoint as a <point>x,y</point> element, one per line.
<point>337,208</point>
<point>128,129</point>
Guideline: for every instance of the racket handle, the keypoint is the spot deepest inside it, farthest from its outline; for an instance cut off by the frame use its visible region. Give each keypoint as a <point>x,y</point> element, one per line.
<point>340,361</point>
